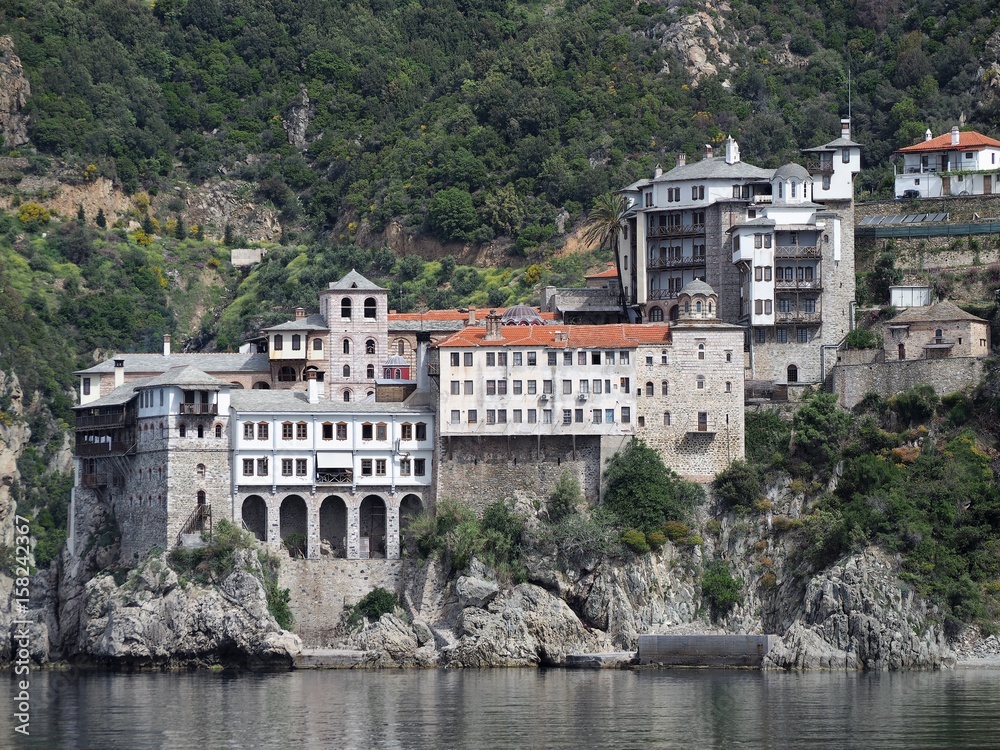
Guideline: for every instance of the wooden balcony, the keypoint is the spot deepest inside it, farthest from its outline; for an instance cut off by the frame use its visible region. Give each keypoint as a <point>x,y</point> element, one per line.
<point>797,316</point>
<point>676,230</point>
<point>803,285</point>
<point>194,409</point>
<point>798,251</point>
<point>680,261</point>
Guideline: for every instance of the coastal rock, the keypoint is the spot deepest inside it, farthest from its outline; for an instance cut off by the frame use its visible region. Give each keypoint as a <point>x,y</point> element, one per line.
<point>526,626</point>
<point>475,592</point>
<point>152,620</point>
<point>859,616</point>
<point>391,642</point>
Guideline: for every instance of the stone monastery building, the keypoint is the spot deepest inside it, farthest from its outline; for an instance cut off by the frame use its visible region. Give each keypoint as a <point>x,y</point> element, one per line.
<point>334,429</point>
<point>777,245</point>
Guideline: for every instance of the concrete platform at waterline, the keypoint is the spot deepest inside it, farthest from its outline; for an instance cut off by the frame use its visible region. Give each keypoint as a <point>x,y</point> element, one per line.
<point>705,650</point>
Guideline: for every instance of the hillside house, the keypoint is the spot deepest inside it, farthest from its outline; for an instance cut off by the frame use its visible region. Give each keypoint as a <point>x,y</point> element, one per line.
<point>962,162</point>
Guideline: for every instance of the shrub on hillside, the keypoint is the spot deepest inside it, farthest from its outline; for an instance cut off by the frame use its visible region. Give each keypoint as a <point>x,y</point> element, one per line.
<point>738,486</point>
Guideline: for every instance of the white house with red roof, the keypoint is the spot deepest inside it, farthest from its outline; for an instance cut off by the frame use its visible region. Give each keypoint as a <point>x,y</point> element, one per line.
<point>962,162</point>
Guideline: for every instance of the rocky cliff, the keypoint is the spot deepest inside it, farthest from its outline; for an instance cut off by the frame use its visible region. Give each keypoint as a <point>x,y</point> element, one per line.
<point>857,614</point>
<point>14,93</point>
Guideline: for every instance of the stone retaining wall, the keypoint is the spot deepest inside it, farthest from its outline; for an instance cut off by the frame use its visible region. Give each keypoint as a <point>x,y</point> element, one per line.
<point>852,382</point>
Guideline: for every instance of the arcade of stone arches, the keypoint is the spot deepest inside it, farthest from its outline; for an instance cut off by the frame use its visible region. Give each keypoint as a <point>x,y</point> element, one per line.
<point>362,525</point>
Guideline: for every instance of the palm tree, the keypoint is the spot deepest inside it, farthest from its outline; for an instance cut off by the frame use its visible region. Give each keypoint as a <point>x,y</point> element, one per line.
<point>606,220</point>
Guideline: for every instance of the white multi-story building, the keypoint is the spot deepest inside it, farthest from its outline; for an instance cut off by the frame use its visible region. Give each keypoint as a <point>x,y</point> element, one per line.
<point>169,443</point>
<point>956,163</point>
<point>703,221</point>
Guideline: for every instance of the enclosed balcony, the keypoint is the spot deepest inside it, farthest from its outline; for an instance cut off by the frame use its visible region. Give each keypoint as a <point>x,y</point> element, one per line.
<point>798,251</point>
<point>676,230</point>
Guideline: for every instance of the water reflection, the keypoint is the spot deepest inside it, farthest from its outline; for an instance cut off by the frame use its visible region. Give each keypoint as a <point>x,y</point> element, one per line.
<point>501,709</point>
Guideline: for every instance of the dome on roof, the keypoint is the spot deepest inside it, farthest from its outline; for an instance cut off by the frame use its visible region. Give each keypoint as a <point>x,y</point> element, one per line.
<point>792,171</point>
<point>697,287</point>
<point>521,315</point>
<point>396,361</point>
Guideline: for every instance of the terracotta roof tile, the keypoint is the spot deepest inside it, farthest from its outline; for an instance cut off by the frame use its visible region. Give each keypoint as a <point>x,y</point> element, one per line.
<point>609,273</point>
<point>968,140</point>
<point>449,315</point>
<point>614,336</point>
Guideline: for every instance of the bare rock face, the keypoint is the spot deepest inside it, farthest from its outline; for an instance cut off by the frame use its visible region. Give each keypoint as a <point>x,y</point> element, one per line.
<point>296,122</point>
<point>695,40</point>
<point>152,620</point>
<point>391,642</point>
<point>857,616</point>
<point>14,93</point>
<point>525,626</point>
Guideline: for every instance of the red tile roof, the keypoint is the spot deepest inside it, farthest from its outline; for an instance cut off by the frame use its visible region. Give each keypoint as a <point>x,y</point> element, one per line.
<point>609,273</point>
<point>615,336</point>
<point>451,315</point>
<point>968,140</point>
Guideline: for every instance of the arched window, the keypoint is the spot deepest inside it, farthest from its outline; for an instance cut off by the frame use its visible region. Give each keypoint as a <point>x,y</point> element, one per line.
<point>286,374</point>
<point>399,374</point>
<point>938,334</point>
<point>202,499</point>
<point>666,419</point>
<point>345,307</point>
<point>317,345</point>
<point>701,351</point>
<point>700,382</point>
<point>370,346</point>
<point>370,307</point>
<point>347,371</point>
<point>656,315</point>
<point>793,374</point>
<point>709,308</point>
<point>218,430</point>
<point>687,307</point>
<point>347,346</point>
<point>347,395</point>
<point>183,430</point>
<point>200,468</point>
<point>370,371</point>
<point>279,342</point>
<point>664,388</point>
<point>400,347</point>
<point>649,388</point>
<point>697,306</point>
<point>201,430</point>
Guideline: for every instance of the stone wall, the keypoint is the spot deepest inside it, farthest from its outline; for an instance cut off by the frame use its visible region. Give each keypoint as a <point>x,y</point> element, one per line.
<point>852,382</point>
<point>321,590</point>
<point>482,470</point>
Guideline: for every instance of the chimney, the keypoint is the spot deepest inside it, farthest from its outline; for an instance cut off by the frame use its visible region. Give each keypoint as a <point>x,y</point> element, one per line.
<point>313,386</point>
<point>682,159</point>
<point>166,345</point>
<point>845,128</point>
<point>561,337</point>
<point>493,330</point>
<point>708,150</point>
<point>657,171</point>
<point>423,343</point>
<point>954,135</point>
<point>732,151</point>
<point>300,313</point>
<point>927,134</point>
<point>119,372</point>
<point>472,316</point>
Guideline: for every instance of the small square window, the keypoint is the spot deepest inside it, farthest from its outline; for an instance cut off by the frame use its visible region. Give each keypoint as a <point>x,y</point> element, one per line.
<point>468,359</point>
<point>300,467</point>
<point>517,358</point>
<point>420,466</point>
<point>454,359</point>
<point>532,359</point>
<point>532,416</point>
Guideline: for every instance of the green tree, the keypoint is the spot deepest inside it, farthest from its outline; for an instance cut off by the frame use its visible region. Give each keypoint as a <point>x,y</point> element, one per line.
<point>100,219</point>
<point>452,215</point>
<point>565,498</point>
<point>738,486</point>
<point>606,221</point>
<point>820,426</point>
<point>884,274</point>
<point>720,588</point>
<point>80,215</point>
<point>643,493</point>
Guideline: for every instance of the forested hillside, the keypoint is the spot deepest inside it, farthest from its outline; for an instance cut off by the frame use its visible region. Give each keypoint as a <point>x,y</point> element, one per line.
<point>471,119</point>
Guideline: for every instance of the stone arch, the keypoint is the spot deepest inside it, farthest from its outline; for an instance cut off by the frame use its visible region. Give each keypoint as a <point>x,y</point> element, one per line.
<point>371,307</point>
<point>254,515</point>
<point>287,374</point>
<point>262,385</point>
<point>333,524</point>
<point>674,312</point>
<point>373,526</point>
<point>409,508</point>
<point>656,314</point>
<point>235,386</point>
<point>293,527</point>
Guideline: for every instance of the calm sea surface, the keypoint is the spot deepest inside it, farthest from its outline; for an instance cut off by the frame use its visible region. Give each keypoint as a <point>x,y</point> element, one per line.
<point>507,709</point>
